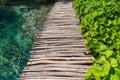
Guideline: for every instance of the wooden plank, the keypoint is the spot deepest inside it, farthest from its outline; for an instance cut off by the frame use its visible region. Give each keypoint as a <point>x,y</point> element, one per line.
<point>60,46</point>
<point>64,54</point>
<point>70,66</point>
<point>64,74</point>
<point>60,58</point>
<point>58,42</point>
<point>76,66</point>
<point>56,37</point>
<point>52,78</point>
<point>63,50</point>
<point>51,69</point>
<point>57,62</point>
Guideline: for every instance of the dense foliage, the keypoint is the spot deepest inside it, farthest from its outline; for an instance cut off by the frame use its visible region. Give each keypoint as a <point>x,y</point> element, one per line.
<point>100,24</point>
<point>19,26</point>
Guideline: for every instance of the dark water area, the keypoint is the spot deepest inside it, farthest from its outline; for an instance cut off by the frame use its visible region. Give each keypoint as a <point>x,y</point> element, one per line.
<point>19,26</point>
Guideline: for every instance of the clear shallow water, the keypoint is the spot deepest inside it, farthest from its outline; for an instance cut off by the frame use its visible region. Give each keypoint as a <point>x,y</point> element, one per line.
<point>19,26</point>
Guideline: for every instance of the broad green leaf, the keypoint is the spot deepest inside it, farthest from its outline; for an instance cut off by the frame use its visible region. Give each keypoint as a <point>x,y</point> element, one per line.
<point>102,47</point>
<point>113,62</point>
<point>106,68</point>
<point>107,53</point>
<point>114,77</point>
<point>102,59</point>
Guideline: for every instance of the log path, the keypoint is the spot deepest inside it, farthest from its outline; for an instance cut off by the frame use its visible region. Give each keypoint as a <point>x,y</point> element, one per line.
<point>58,52</point>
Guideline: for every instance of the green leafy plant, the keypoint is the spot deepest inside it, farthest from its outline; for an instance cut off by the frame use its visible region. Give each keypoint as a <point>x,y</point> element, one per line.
<point>100,25</point>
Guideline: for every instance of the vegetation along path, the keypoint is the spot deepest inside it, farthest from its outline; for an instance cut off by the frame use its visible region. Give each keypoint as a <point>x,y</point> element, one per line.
<point>58,52</point>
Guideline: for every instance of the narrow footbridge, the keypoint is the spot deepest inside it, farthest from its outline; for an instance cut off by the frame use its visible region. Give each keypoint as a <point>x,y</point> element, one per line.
<point>58,52</point>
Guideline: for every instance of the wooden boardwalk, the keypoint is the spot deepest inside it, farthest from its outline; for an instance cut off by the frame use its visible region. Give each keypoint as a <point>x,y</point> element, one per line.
<point>58,52</point>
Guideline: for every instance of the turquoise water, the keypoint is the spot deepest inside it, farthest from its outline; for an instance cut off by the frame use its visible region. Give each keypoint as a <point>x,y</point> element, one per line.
<point>19,26</point>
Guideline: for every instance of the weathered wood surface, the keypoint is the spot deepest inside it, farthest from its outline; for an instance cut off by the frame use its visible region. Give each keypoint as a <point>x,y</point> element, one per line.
<point>58,52</point>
